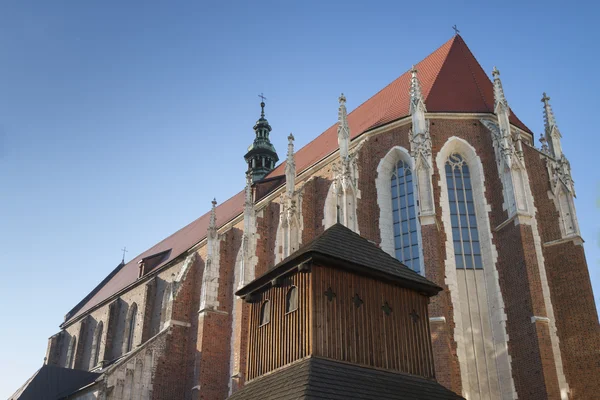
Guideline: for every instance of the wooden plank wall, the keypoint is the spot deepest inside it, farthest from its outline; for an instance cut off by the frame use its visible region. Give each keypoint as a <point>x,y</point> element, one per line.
<point>286,337</point>
<point>366,335</point>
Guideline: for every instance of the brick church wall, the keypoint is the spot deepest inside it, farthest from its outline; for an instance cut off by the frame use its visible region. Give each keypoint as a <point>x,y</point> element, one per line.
<point>571,291</point>
<point>211,350</point>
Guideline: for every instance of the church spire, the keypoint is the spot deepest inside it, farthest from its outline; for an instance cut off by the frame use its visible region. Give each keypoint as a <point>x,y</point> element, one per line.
<point>290,167</point>
<point>552,133</point>
<point>343,129</point>
<point>261,156</point>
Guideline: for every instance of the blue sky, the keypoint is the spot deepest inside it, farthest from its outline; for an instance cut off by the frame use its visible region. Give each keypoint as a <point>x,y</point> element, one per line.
<point>120,122</point>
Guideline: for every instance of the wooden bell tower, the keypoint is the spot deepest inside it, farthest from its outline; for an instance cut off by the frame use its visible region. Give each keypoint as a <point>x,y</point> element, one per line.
<point>340,301</point>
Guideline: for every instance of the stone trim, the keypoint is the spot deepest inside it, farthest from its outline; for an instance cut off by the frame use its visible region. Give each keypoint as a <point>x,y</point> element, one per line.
<point>209,310</point>
<point>437,319</point>
<point>576,239</point>
<point>537,242</point>
<point>384,200</point>
<point>535,319</point>
<point>497,316</point>
<point>174,322</point>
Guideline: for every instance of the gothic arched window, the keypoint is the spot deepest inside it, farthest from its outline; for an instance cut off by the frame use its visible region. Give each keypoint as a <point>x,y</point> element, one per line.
<point>467,250</point>
<point>291,299</point>
<point>130,327</point>
<point>406,243</point>
<point>96,345</point>
<point>265,313</point>
<point>71,352</point>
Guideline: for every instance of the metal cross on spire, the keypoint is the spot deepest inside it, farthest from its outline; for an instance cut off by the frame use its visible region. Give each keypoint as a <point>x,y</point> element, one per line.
<point>262,105</point>
<point>456,31</point>
<point>124,250</point>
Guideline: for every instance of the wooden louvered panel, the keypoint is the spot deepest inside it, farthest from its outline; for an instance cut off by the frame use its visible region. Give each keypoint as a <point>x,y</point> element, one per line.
<point>286,337</point>
<point>398,341</point>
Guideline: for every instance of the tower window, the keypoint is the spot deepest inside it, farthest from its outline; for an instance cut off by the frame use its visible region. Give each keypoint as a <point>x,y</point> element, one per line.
<point>291,299</point>
<point>265,313</point>
<point>406,242</point>
<point>467,250</point>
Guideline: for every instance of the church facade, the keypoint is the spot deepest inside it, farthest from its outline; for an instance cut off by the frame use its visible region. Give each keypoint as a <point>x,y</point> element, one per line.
<point>437,171</point>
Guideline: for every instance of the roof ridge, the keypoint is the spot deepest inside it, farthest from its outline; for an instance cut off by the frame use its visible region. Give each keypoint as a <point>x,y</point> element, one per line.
<point>462,48</point>
<point>365,102</point>
<point>370,243</point>
<point>437,75</point>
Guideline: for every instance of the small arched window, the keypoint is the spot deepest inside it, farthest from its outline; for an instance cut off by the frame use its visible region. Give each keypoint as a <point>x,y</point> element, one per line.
<point>71,352</point>
<point>291,299</point>
<point>96,344</point>
<point>131,327</point>
<point>265,313</point>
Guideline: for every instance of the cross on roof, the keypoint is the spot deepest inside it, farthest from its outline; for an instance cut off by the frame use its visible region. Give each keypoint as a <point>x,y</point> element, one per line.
<point>124,250</point>
<point>414,316</point>
<point>263,98</point>
<point>330,294</point>
<point>456,31</point>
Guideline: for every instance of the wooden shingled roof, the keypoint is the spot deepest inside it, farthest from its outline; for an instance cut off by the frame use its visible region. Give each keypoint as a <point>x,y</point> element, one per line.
<point>318,378</point>
<point>340,247</point>
<point>452,81</point>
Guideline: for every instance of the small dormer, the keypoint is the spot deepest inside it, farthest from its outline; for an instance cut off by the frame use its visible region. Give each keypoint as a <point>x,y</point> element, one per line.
<point>340,301</point>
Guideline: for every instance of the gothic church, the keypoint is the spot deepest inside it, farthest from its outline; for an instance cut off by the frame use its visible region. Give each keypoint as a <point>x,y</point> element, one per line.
<point>436,172</point>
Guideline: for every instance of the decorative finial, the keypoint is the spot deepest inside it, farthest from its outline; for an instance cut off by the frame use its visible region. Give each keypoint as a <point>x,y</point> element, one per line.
<point>262,105</point>
<point>553,135</point>
<point>290,167</point>
<point>549,120</point>
<point>456,31</point>
<point>213,215</point>
<point>416,96</point>
<point>499,97</point>
<point>248,192</point>
<point>343,128</point>
<point>544,144</point>
<point>495,72</point>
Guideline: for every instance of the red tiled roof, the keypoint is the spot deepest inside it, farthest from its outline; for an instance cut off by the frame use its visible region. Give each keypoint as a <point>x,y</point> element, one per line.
<point>451,81</point>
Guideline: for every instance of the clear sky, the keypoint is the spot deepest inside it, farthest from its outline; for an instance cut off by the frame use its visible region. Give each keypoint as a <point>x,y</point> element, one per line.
<point>120,121</point>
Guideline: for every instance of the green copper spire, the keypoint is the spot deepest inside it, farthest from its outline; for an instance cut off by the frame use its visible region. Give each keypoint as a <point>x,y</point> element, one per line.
<point>261,156</point>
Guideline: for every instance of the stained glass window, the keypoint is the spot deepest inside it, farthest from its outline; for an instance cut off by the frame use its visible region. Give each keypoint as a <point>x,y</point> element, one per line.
<point>406,242</point>
<point>467,249</point>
